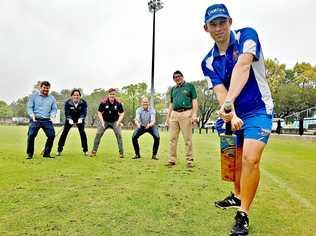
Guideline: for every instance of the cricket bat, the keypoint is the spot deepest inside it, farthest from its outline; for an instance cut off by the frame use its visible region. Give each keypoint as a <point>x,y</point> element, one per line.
<point>228,149</point>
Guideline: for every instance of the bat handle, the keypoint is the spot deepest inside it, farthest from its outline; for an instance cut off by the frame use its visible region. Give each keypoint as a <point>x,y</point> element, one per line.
<point>228,109</point>
<point>228,128</point>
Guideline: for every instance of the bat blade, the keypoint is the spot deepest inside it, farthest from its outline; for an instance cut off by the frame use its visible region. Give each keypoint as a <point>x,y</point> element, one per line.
<point>228,156</point>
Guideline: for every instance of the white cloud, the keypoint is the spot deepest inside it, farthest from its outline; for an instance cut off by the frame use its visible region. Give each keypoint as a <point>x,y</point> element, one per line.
<point>93,43</point>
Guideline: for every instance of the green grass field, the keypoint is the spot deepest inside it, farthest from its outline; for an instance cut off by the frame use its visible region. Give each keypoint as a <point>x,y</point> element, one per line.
<point>76,195</point>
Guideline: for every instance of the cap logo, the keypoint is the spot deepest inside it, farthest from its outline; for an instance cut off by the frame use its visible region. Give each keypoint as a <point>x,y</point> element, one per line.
<point>216,10</point>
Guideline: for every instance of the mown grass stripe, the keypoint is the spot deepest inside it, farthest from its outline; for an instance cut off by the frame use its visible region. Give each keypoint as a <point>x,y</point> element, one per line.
<point>303,201</point>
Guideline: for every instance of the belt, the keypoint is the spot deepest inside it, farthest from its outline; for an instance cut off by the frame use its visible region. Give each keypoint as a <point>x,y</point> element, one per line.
<point>182,109</point>
<point>41,119</point>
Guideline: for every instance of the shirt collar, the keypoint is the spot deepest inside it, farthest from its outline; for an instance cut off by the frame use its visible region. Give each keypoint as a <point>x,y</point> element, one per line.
<point>106,100</point>
<point>178,86</point>
<point>40,93</point>
<point>72,102</point>
<point>232,39</point>
<point>142,109</point>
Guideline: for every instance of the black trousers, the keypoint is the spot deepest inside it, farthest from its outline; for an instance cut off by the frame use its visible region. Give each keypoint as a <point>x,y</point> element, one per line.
<point>65,132</point>
<point>139,132</point>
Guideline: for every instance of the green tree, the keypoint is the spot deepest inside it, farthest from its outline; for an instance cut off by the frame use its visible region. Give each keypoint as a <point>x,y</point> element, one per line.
<point>305,75</point>
<point>5,110</point>
<point>292,90</point>
<point>288,100</point>
<point>276,74</point>
<point>66,93</point>
<point>160,107</point>
<point>19,107</point>
<point>93,101</point>
<point>131,97</point>
<point>207,102</point>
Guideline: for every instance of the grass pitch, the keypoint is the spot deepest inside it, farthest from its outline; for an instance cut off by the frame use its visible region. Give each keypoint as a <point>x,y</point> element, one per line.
<point>76,195</point>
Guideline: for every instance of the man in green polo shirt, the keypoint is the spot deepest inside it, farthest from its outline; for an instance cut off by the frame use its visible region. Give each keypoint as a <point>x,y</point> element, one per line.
<point>181,115</point>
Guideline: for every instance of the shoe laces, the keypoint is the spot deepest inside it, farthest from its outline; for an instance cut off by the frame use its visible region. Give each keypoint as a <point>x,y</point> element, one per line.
<point>231,196</point>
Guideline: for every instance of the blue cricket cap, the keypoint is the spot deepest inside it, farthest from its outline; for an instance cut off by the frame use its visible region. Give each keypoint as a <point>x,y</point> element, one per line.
<point>216,11</point>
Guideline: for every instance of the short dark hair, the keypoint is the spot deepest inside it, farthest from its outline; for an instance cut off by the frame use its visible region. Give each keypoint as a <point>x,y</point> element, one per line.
<point>111,90</point>
<point>177,72</point>
<point>75,90</point>
<point>45,83</point>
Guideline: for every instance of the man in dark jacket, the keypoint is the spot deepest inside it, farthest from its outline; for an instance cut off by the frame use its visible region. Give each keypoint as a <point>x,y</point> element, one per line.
<point>75,113</point>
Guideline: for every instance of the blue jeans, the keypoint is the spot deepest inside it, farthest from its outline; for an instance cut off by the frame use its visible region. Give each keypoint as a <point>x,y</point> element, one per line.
<point>139,132</point>
<point>49,131</point>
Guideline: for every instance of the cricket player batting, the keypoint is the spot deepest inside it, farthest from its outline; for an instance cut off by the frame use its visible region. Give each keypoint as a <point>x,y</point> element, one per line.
<point>234,68</point>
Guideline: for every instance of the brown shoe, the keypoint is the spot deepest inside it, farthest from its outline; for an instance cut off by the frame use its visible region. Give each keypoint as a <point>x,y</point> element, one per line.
<point>170,164</point>
<point>121,156</point>
<point>93,154</point>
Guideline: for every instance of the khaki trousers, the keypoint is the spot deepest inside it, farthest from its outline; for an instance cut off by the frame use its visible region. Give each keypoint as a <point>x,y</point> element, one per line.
<point>180,121</point>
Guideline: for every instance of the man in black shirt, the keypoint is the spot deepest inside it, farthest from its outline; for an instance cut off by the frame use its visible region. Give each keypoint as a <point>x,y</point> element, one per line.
<point>110,115</point>
<point>75,113</point>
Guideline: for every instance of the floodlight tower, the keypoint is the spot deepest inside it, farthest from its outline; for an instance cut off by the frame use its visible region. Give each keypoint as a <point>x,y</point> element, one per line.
<point>153,6</point>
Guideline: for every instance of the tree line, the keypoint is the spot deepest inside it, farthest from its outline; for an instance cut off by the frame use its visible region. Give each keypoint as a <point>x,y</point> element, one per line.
<point>292,90</point>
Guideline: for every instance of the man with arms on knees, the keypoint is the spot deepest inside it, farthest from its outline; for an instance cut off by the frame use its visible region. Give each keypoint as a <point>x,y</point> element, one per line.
<point>145,121</point>
<point>110,114</point>
<point>235,70</point>
<point>75,113</point>
<point>181,115</point>
<point>41,107</point>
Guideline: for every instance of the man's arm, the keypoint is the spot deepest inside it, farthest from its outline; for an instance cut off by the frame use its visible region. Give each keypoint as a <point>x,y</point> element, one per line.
<point>137,123</point>
<point>251,50</point>
<point>121,116</point>
<point>101,118</point>
<point>239,79</point>
<point>152,119</point>
<point>170,109</point>
<point>67,110</point>
<point>53,111</point>
<point>221,93</point>
<point>67,113</point>
<point>84,110</point>
<point>240,76</point>
<point>30,108</point>
<point>137,118</point>
<point>194,110</point>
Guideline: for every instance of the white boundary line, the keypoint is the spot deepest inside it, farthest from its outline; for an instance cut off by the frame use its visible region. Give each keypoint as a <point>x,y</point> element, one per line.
<point>303,201</point>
